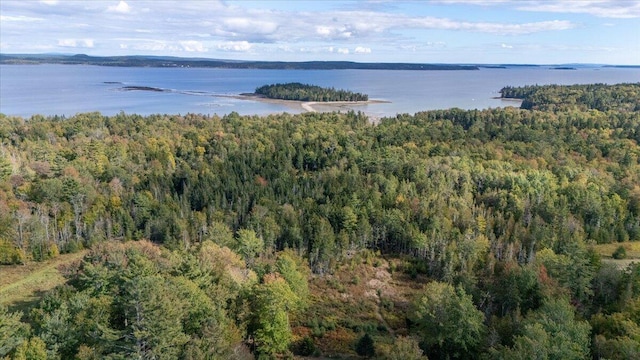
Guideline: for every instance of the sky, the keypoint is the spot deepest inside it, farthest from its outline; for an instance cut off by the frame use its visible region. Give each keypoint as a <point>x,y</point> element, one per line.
<point>438,31</point>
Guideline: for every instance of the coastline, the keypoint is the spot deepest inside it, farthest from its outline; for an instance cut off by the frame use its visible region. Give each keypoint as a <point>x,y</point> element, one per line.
<point>307,106</point>
<point>507,99</point>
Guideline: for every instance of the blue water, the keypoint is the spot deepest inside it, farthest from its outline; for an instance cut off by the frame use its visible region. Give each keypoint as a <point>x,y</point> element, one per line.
<point>26,90</point>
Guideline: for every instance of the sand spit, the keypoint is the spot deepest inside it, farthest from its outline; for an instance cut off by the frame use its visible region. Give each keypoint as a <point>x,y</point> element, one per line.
<point>308,106</point>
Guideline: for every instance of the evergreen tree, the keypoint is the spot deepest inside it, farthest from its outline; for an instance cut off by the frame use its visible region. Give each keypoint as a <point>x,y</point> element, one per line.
<point>365,346</point>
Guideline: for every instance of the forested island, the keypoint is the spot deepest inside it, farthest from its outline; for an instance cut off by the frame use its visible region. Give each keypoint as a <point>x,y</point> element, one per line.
<point>305,92</point>
<point>485,234</point>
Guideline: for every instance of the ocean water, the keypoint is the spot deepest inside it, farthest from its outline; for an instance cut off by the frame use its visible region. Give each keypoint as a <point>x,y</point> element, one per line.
<point>26,90</point>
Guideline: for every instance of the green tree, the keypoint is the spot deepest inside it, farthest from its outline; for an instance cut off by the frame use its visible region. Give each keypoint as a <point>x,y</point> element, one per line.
<point>365,346</point>
<point>12,331</point>
<point>33,349</point>
<point>248,244</point>
<point>296,278</point>
<point>617,335</point>
<point>273,300</point>
<point>5,167</point>
<point>551,332</point>
<point>448,322</point>
<point>153,312</point>
<point>405,348</point>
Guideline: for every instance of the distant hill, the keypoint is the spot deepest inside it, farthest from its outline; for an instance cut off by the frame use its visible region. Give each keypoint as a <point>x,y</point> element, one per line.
<point>156,61</point>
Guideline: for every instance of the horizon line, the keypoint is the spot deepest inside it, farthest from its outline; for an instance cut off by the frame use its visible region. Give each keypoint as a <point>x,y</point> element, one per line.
<point>182,58</point>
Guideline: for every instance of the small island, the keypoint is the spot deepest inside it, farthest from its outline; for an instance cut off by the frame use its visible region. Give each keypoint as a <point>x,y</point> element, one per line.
<point>305,92</point>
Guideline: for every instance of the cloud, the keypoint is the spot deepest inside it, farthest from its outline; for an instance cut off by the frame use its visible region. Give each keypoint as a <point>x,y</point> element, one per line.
<point>278,30</point>
<point>243,25</point>
<point>493,28</point>
<point>429,45</point>
<point>19,18</point>
<point>473,2</point>
<point>122,7</point>
<point>237,46</point>
<point>149,45</point>
<point>323,30</point>
<point>623,9</point>
<point>334,32</point>
<point>76,43</point>
<point>505,46</point>
<point>362,50</point>
<point>193,46</point>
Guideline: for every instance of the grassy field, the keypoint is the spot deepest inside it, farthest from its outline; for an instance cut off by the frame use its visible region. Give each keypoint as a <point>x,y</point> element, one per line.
<point>362,296</point>
<point>632,248</point>
<point>22,285</point>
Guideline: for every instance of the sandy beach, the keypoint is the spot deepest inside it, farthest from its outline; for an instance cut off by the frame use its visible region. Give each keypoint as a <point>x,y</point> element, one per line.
<point>309,106</point>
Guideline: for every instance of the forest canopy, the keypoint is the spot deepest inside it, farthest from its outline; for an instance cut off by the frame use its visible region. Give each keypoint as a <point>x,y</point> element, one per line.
<point>623,97</point>
<point>256,235</point>
<point>305,92</point>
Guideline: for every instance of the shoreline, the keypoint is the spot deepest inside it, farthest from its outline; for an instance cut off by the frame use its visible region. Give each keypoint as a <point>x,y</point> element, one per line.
<point>507,99</point>
<point>307,106</point>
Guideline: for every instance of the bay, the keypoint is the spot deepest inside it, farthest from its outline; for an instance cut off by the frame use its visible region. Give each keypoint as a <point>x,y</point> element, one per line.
<point>26,90</point>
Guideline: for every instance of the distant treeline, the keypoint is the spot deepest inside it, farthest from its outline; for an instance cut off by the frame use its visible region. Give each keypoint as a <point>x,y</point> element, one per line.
<point>305,92</point>
<point>603,97</point>
<point>162,61</point>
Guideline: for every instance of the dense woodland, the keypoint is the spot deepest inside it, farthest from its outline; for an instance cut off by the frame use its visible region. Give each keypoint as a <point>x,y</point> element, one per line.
<point>601,97</point>
<point>210,235</point>
<point>305,92</point>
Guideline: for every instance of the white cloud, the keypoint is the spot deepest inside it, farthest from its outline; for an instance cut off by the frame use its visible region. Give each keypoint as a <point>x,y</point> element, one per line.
<point>323,30</point>
<point>76,43</point>
<point>474,2</point>
<point>600,8</point>
<point>276,30</point>
<point>122,7</point>
<point>362,50</point>
<point>238,46</point>
<point>494,28</point>
<point>623,9</point>
<point>193,46</point>
<point>285,48</point>
<point>429,45</point>
<point>244,25</point>
<point>19,18</point>
<point>152,45</point>
<point>331,32</point>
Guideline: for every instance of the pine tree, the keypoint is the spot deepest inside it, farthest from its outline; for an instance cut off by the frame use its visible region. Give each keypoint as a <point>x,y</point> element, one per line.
<point>365,346</point>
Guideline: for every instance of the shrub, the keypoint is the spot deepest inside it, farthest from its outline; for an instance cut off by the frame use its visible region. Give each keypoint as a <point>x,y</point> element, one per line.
<point>620,253</point>
<point>306,347</point>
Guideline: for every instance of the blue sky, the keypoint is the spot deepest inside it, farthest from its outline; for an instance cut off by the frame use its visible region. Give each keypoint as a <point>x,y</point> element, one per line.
<point>443,31</point>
